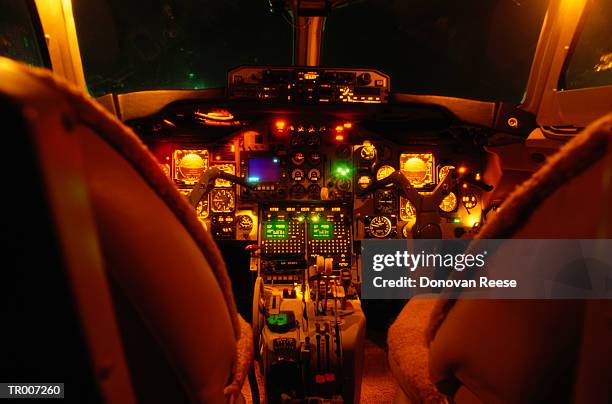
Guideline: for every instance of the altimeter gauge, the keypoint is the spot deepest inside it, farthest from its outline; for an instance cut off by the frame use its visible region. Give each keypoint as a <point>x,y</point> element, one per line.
<point>222,200</point>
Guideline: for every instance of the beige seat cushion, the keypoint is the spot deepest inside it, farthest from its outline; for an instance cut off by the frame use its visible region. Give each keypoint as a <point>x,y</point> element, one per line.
<point>513,351</point>
<point>409,353</point>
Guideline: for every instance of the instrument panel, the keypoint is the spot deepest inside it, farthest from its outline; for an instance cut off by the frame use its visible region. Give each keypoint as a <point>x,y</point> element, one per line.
<point>314,158</point>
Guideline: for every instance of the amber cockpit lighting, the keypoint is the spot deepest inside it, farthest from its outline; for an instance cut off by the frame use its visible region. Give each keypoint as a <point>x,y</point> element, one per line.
<point>188,165</point>
<point>418,168</point>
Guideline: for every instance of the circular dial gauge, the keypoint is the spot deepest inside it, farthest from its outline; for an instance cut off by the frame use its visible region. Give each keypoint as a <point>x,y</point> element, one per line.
<point>384,171</point>
<point>449,203</point>
<point>314,191</point>
<point>298,158</point>
<point>297,191</point>
<point>297,175</point>
<point>245,223</point>
<point>385,201</point>
<point>343,185</point>
<point>368,152</point>
<point>314,175</point>
<point>313,140</point>
<point>297,140</point>
<point>314,158</point>
<point>191,166</point>
<point>407,230</point>
<point>407,211</point>
<point>364,181</point>
<point>418,168</point>
<point>443,172</point>
<point>222,200</point>
<point>469,200</point>
<point>202,209</point>
<point>380,226</point>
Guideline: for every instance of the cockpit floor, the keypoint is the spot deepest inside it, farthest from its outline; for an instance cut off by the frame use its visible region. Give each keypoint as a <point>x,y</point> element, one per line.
<point>378,385</point>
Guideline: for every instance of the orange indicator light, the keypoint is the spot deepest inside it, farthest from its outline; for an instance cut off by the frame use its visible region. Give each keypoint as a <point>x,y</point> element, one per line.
<point>280,125</point>
<point>339,138</point>
<point>462,170</point>
<point>348,125</point>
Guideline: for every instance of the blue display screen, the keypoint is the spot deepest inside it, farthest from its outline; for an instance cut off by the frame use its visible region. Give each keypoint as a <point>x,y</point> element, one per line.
<point>264,169</point>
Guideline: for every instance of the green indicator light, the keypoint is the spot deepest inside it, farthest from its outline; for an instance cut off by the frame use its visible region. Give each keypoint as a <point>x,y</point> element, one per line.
<point>457,220</point>
<point>300,218</point>
<point>277,319</point>
<point>343,170</point>
<point>314,218</point>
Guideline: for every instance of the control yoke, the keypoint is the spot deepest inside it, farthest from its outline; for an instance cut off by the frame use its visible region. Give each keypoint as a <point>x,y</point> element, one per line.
<point>207,181</point>
<point>426,205</point>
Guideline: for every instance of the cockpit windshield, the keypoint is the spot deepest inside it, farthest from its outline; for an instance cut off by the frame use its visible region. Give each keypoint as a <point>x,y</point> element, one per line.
<point>167,44</point>
<point>480,49</point>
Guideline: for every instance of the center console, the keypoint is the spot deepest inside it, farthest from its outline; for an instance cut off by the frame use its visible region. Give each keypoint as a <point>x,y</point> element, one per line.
<point>308,316</point>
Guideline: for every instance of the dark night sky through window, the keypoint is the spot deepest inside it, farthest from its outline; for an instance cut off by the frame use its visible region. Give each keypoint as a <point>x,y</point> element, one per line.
<point>479,49</point>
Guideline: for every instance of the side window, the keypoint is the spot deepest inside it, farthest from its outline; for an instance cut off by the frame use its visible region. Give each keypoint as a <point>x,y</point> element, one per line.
<point>21,37</point>
<point>590,64</point>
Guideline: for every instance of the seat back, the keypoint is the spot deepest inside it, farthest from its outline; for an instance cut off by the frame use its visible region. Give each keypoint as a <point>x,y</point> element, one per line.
<point>58,320</point>
<point>171,294</point>
<point>529,350</point>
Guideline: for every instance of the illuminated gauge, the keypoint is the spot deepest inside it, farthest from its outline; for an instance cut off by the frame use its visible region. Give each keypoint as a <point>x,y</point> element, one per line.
<point>343,185</point>
<point>300,129</point>
<point>449,203</point>
<point>407,211</point>
<point>384,171</point>
<point>364,181</point>
<point>314,191</point>
<point>418,168</point>
<point>380,226</point>
<point>469,200</point>
<point>313,140</point>
<point>297,140</point>
<point>245,223</point>
<point>297,191</point>
<point>314,175</point>
<point>228,168</point>
<point>312,129</point>
<point>385,201</point>
<point>189,165</point>
<point>222,200</point>
<point>297,175</point>
<point>298,158</point>
<point>407,230</point>
<point>443,172</point>
<point>368,152</point>
<point>202,209</point>
<point>314,158</point>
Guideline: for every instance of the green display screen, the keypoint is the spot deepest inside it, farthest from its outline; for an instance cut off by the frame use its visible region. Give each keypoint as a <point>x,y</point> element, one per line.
<point>322,230</point>
<point>275,230</point>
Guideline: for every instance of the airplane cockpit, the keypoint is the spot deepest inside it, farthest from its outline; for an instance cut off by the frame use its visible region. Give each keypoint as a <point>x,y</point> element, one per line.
<point>217,201</point>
